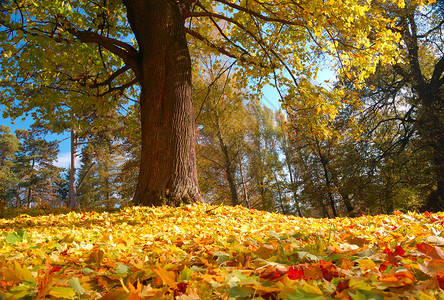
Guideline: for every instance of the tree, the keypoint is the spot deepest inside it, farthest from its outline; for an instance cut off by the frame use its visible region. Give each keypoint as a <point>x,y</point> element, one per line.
<point>9,145</point>
<point>35,167</point>
<point>101,161</point>
<point>221,122</point>
<point>261,37</point>
<point>422,33</point>
<point>405,100</point>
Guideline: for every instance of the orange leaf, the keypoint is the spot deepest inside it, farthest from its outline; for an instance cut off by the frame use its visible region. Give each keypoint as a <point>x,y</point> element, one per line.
<point>313,272</point>
<point>397,279</point>
<point>431,267</point>
<point>430,251</point>
<point>346,264</point>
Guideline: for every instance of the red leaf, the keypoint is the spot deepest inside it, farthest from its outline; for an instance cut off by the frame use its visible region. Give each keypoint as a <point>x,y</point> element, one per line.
<point>180,289</point>
<point>272,273</point>
<point>295,273</point>
<point>343,285</point>
<point>54,269</point>
<point>328,270</point>
<point>399,251</point>
<point>440,279</point>
<point>65,252</point>
<point>391,255</point>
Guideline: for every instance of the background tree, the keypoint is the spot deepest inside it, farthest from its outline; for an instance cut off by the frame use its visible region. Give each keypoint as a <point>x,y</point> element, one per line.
<point>101,161</point>
<point>221,123</point>
<point>9,146</point>
<point>35,166</point>
<point>423,69</point>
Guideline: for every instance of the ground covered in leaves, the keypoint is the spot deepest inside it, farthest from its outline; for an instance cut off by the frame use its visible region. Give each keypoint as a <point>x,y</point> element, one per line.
<point>220,252</point>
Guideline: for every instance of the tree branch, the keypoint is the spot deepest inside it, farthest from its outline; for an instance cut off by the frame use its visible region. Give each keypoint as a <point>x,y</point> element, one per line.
<point>119,88</point>
<point>431,30</point>
<point>220,49</point>
<point>112,77</point>
<point>223,50</point>
<point>437,73</point>
<point>119,48</point>
<point>258,15</point>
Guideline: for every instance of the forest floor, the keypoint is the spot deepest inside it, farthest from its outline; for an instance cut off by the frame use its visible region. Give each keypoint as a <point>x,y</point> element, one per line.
<point>220,252</point>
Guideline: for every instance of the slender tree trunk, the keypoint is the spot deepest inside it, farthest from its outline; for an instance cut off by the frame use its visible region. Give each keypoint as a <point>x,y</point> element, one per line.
<point>168,171</point>
<point>18,201</point>
<point>327,178</point>
<point>29,197</point>
<point>229,169</point>
<point>324,209</point>
<point>247,200</point>
<point>281,201</point>
<point>347,202</point>
<point>72,194</point>
<point>30,186</point>
<point>293,184</point>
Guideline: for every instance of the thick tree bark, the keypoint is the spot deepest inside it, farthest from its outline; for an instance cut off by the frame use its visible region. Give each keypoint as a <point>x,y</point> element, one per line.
<point>168,162</point>
<point>431,129</point>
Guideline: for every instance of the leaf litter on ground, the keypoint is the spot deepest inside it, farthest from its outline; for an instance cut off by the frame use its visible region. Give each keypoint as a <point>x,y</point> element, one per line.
<point>220,252</point>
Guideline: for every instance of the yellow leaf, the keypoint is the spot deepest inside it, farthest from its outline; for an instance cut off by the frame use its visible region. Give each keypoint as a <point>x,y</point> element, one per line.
<point>168,277</point>
<point>62,292</point>
<point>311,289</point>
<point>23,273</point>
<point>366,264</point>
<point>424,296</point>
<point>265,288</point>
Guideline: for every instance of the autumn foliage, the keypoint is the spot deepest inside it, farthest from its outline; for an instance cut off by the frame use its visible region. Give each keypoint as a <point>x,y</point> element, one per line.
<point>220,252</point>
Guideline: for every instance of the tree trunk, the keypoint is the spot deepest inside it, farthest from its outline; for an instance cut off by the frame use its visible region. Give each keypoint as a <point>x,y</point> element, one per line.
<point>328,184</point>
<point>431,129</point>
<point>228,164</point>
<point>430,115</point>
<point>347,203</point>
<point>247,201</point>
<point>72,194</point>
<point>30,186</point>
<point>168,173</point>
<point>292,182</point>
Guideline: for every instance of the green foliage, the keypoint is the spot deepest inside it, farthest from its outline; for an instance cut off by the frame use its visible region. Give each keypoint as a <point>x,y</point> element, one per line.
<point>100,186</point>
<point>28,173</point>
<point>9,145</point>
